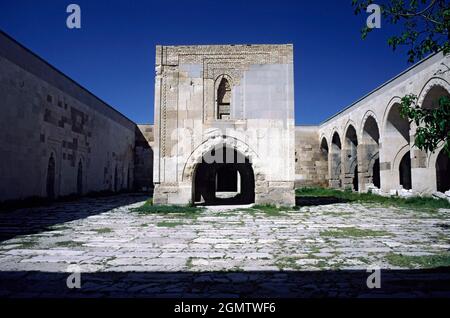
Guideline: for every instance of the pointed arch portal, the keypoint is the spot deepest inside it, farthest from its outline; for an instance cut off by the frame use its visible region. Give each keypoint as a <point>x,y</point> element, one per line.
<point>227,181</point>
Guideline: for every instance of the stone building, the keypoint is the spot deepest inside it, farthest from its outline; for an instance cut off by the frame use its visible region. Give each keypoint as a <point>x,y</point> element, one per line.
<point>224,132</point>
<point>368,145</point>
<point>224,124</point>
<point>143,163</point>
<point>56,138</point>
<point>311,168</point>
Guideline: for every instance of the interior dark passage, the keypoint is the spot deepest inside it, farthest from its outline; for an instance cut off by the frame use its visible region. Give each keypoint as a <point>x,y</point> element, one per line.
<point>443,172</point>
<point>355,179</point>
<point>405,172</point>
<point>376,173</point>
<point>227,180</point>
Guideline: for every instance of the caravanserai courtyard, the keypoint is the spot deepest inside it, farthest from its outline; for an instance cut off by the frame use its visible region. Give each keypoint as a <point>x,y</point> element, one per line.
<point>176,254</point>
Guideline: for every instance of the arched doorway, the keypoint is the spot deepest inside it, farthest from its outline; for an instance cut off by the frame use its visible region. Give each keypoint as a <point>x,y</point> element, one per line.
<point>432,101</point>
<point>370,141</point>
<point>335,161</point>
<point>396,134</point>
<point>324,151</point>
<point>228,179</point>
<point>443,172</point>
<point>405,171</point>
<point>51,178</point>
<point>351,159</point>
<point>80,178</point>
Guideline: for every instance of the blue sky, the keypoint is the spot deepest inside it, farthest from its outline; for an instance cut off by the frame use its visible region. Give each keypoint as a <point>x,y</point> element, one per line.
<point>113,54</point>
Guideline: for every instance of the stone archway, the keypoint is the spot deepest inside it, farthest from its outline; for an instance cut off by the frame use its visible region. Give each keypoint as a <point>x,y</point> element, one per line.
<point>431,163</point>
<point>335,161</point>
<point>226,180</point>
<point>351,159</point>
<point>405,171</point>
<point>396,145</point>
<point>325,153</point>
<point>370,163</point>
<point>217,141</point>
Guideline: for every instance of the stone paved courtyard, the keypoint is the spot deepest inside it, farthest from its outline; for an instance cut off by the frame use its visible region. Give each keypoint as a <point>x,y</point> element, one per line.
<point>221,245</point>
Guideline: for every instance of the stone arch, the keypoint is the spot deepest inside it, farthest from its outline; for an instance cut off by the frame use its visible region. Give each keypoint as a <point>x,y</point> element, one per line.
<point>395,136</point>
<point>348,124</point>
<point>350,153</point>
<point>367,115</point>
<point>433,84</point>
<point>435,163</point>
<point>214,141</point>
<point>395,125</point>
<point>397,162</point>
<point>405,179</point>
<point>222,96</point>
<point>369,151</point>
<point>224,177</point>
<point>325,153</point>
<point>396,100</point>
<point>324,145</point>
<point>335,166</point>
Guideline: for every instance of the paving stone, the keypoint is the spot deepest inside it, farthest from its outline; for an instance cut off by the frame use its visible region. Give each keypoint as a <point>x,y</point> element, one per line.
<point>215,241</point>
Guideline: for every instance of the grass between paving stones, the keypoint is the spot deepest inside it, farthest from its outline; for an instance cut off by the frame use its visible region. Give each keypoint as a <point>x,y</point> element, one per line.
<point>103,230</point>
<point>168,224</point>
<point>149,208</point>
<point>353,232</point>
<point>189,263</point>
<point>68,244</point>
<point>267,209</point>
<point>419,261</point>
<point>287,262</point>
<point>27,244</point>
<point>414,202</point>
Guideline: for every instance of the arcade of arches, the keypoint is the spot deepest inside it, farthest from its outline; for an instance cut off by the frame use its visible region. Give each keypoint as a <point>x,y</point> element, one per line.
<point>374,149</point>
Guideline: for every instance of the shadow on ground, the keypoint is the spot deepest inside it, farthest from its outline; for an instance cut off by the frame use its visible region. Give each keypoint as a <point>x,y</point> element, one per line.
<point>305,284</point>
<point>35,220</point>
<point>313,201</point>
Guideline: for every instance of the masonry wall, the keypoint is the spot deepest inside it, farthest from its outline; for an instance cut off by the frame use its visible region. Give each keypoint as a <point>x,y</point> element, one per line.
<point>143,164</point>
<point>261,123</point>
<point>45,114</point>
<point>311,164</point>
